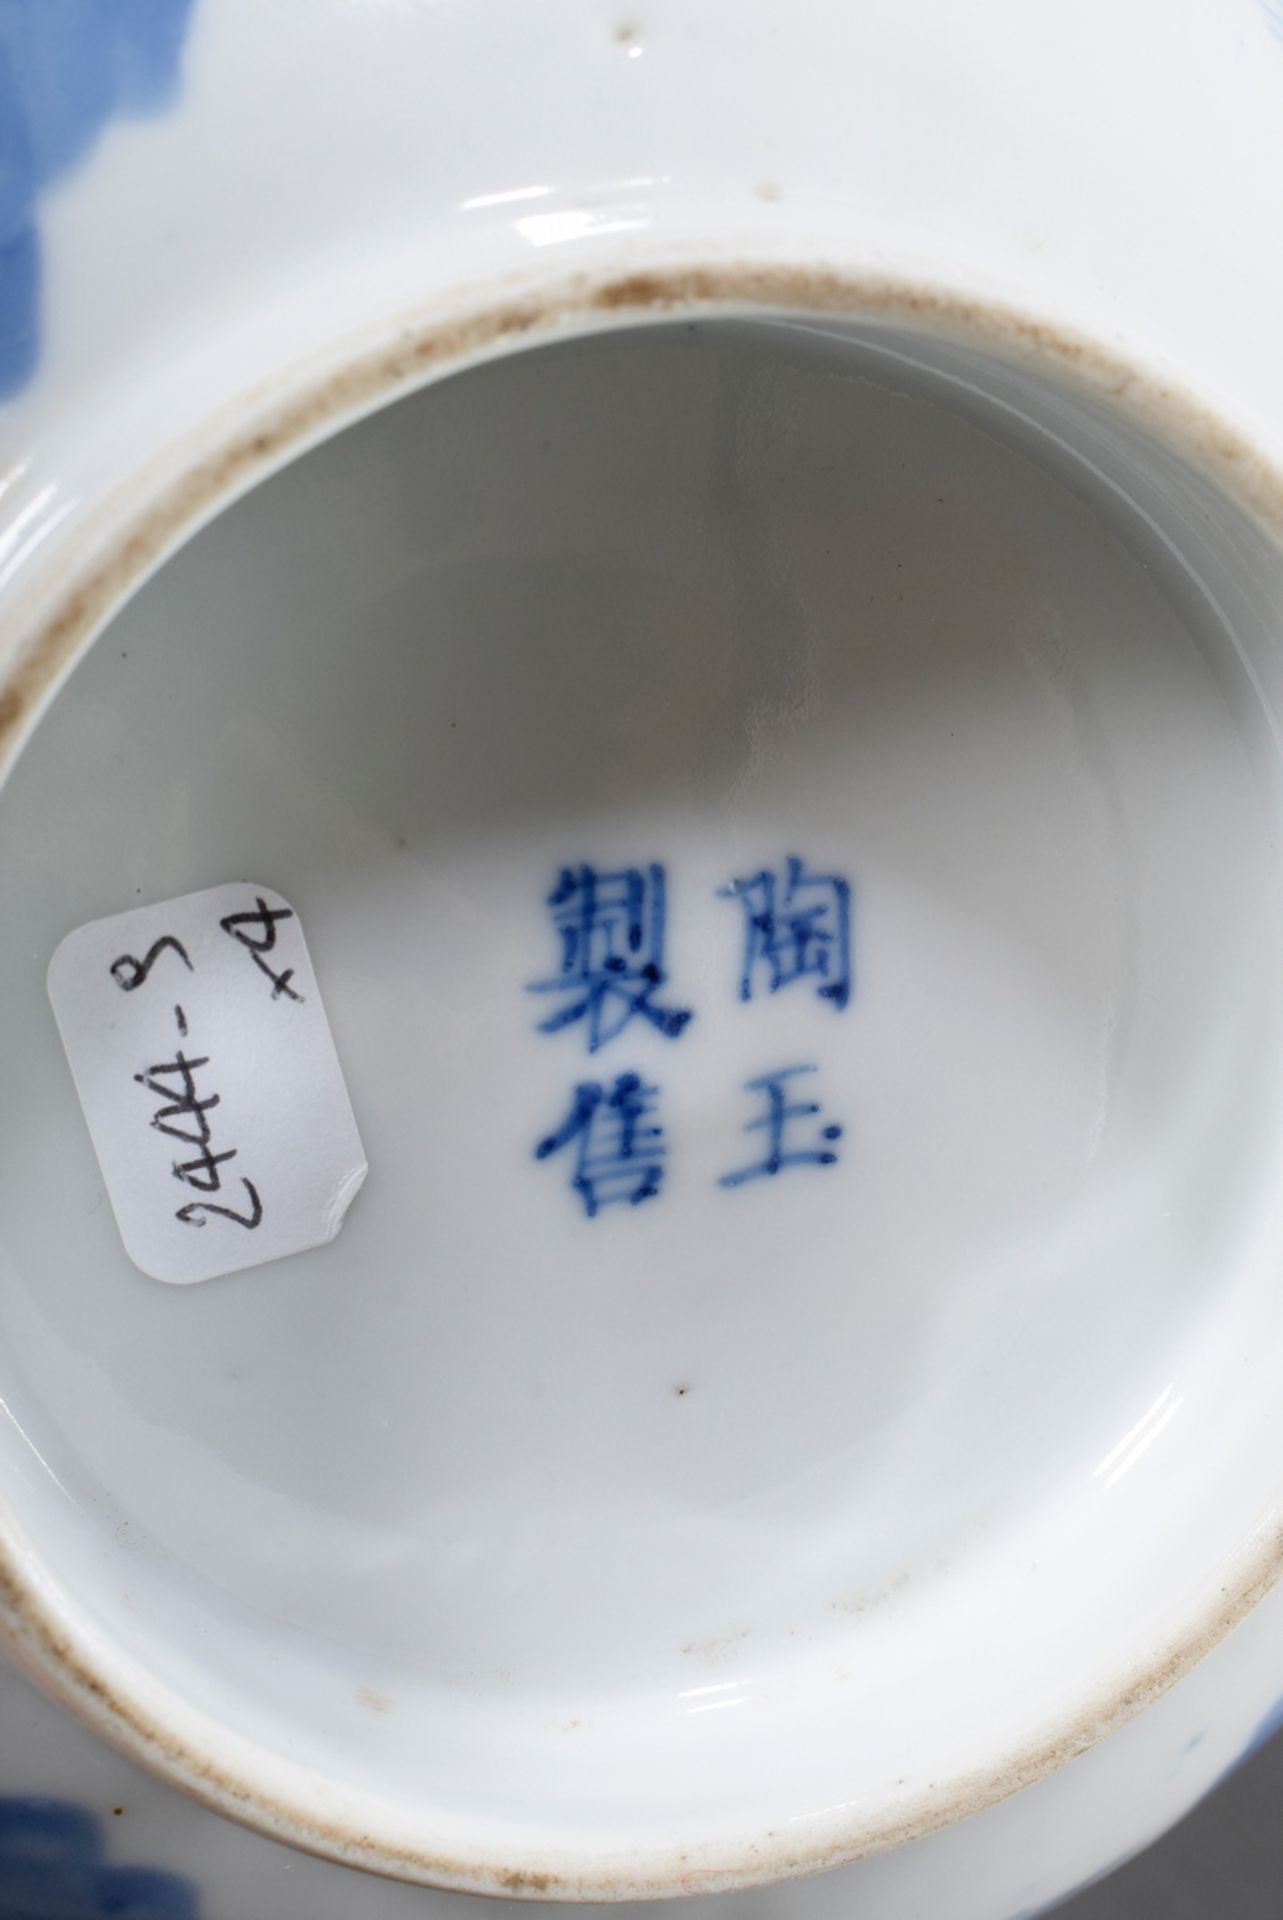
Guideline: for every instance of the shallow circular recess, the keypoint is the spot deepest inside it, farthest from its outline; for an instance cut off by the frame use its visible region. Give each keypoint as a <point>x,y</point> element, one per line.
<point>560,1521</point>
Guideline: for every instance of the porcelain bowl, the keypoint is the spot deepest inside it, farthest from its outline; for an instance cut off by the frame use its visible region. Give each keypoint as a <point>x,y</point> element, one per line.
<point>774,745</point>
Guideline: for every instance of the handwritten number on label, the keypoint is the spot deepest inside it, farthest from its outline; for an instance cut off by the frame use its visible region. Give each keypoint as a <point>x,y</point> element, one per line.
<point>185,1105</point>
<point>265,918</point>
<point>129,973</point>
<point>174,1082</point>
<point>194,1214</point>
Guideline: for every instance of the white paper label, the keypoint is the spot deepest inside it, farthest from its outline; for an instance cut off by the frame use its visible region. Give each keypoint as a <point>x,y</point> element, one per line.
<point>206,1068</point>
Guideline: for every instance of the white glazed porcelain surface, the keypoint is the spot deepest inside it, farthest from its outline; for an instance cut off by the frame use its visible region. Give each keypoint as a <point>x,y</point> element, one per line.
<point>794,1502</point>
<point>59,1784</point>
<point>421,1526</point>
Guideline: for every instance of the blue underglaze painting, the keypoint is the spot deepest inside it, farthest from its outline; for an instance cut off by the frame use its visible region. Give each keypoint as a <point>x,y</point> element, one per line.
<point>797,925</point>
<point>777,1123</point>
<point>611,928</point>
<point>66,67</point>
<point>1274,16</point>
<point>610,935</point>
<point>619,1147</point>
<point>53,1867</point>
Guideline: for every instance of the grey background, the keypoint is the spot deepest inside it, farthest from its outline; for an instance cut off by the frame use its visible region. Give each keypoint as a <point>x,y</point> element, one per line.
<point>1224,1861</point>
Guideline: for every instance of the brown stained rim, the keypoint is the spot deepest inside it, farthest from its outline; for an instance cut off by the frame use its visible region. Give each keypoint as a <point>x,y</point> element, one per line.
<point>428,347</point>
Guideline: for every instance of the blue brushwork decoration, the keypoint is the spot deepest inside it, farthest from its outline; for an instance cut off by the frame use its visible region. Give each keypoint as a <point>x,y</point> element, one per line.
<point>66,67</point>
<point>619,1147</point>
<point>1274,17</point>
<point>611,928</point>
<point>53,1867</point>
<point>797,926</point>
<point>779,1118</point>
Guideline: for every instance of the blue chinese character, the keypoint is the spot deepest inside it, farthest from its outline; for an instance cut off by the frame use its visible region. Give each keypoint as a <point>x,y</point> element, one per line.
<point>612,952</point>
<point>617,1157</point>
<point>795,926</point>
<point>780,1111</point>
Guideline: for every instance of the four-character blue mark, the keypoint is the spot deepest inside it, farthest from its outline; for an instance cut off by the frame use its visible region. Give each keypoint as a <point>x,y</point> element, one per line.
<point>797,925</point>
<point>612,928</point>
<point>619,1153</point>
<point>778,1120</point>
<point>53,1867</point>
<point>64,71</point>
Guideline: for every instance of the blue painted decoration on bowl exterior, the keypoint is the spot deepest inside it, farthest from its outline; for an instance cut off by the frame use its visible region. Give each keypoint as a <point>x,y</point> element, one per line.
<point>66,67</point>
<point>52,1867</point>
